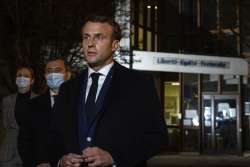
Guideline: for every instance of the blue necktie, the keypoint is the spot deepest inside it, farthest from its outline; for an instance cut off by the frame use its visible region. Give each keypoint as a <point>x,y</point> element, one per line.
<point>90,102</point>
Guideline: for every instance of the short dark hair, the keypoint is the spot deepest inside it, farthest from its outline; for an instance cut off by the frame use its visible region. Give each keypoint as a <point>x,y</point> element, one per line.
<point>54,58</point>
<point>27,67</point>
<point>117,35</point>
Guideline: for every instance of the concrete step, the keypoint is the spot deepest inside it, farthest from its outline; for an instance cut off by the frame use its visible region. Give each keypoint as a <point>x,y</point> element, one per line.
<point>199,161</point>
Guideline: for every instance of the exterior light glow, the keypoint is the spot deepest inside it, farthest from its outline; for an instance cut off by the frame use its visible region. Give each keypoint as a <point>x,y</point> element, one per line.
<point>175,83</point>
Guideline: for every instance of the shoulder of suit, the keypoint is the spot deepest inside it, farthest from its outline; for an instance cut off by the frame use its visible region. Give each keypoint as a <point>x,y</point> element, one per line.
<point>75,80</point>
<point>131,73</point>
<point>33,95</point>
<point>14,95</point>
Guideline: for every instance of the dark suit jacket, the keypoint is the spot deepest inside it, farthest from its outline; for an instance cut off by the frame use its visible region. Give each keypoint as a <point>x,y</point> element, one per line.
<point>21,116</point>
<point>8,146</point>
<point>130,125</point>
<point>41,114</point>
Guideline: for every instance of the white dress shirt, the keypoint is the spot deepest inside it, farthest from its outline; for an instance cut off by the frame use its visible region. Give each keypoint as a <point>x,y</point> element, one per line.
<point>104,72</point>
<point>52,98</point>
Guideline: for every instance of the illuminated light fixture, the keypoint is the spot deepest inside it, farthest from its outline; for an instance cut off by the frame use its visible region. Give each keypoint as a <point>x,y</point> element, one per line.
<point>149,7</point>
<point>172,83</point>
<point>156,7</point>
<point>175,83</point>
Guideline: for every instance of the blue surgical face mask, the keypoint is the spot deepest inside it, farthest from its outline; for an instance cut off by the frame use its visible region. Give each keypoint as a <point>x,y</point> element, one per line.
<point>23,84</point>
<point>54,80</point>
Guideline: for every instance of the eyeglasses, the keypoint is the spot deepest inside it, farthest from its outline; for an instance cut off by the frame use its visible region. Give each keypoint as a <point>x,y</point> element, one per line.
<point>97,38</point>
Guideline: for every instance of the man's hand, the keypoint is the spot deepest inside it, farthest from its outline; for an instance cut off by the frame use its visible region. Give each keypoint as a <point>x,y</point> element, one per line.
<point>95,156</point>
<point>71,160</point>
<point>43,165</point>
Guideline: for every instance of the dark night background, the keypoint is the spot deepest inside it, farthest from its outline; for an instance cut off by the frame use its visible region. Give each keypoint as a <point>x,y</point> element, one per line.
<point>27,25</point>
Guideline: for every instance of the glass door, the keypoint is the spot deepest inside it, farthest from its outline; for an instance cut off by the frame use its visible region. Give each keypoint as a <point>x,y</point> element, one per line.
<point>221,124</point>
<point>172,114</point>
<point>208,126</point>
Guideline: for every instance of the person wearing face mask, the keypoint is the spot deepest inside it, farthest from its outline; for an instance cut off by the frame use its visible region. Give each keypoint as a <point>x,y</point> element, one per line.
<point>14,109</point>
<point>41,108</point>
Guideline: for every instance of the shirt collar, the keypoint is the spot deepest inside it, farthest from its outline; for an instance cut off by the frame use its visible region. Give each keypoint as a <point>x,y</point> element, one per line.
<point>103,71</point>
<point>52,93</point>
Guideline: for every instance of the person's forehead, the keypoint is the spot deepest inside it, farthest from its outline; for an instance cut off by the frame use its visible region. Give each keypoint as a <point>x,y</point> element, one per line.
<point>96,27</point>
<point>24,71</point>
<point>55,64</point>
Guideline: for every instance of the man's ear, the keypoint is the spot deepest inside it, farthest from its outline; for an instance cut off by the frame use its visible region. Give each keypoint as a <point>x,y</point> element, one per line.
<point>68,75</point>
<point>45,76</point>
<point>32,81</point>
<point>115,45</point>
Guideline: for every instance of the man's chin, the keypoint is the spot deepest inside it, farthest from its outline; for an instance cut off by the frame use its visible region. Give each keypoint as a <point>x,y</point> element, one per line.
<point>93,64</point>
<point>91,61</point>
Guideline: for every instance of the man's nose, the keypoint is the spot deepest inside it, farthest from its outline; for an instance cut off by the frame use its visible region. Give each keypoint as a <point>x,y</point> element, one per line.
<point>91,42</point>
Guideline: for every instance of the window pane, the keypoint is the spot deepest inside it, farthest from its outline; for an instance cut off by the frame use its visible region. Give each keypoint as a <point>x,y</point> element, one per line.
<point>207,126</point>
<point>156,44</point>
<point>149,17</point>
<point>191,120</point>
<point>246,117</point>
<point>191,115</point>
<point>140,38</point>
<point>209,14</point>
<point>230,83</point>
<point>210,83</point>
<point>229,14</point>
<point>132,35</point>
<point>149,41</point>
<point>156,19</point>
<point>171,103</point>
<point>141,6</point>
<point>174,139</point>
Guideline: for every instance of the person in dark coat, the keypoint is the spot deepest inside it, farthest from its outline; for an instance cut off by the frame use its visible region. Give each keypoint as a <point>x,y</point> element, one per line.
<point>41,109</point>
<point>15,114</point>
<point>109,115</point>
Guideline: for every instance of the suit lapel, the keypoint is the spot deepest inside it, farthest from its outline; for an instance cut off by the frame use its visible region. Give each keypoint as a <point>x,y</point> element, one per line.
<point>78,93</point>
<point>110,89</point>
<point>79,118</point>
<point>104,91</point>
<point>47,98</point>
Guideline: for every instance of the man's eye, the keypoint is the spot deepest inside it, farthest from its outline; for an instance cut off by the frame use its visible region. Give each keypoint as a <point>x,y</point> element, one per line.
<point>99,37</point>
<point>85,37</point>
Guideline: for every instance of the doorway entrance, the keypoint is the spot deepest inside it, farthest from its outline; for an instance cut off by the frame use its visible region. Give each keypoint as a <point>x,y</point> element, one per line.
<point>221,124</point>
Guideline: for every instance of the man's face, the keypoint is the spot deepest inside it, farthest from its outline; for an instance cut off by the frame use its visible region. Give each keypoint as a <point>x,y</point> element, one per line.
<point>56,66</point>
<point>98,44</point>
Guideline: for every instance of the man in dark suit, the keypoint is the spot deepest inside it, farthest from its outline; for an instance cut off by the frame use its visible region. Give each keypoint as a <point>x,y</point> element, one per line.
<point>109,115</point>
<point>41,109</point>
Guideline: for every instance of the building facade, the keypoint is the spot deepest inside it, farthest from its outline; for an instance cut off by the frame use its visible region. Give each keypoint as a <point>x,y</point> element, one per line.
<point>196,53</point>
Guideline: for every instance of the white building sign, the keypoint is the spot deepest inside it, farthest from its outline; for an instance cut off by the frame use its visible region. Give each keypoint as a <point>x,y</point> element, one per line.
<point>172,62</point>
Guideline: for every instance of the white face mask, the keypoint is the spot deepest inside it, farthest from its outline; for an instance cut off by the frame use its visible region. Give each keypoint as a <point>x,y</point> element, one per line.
<point>23,84</point>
